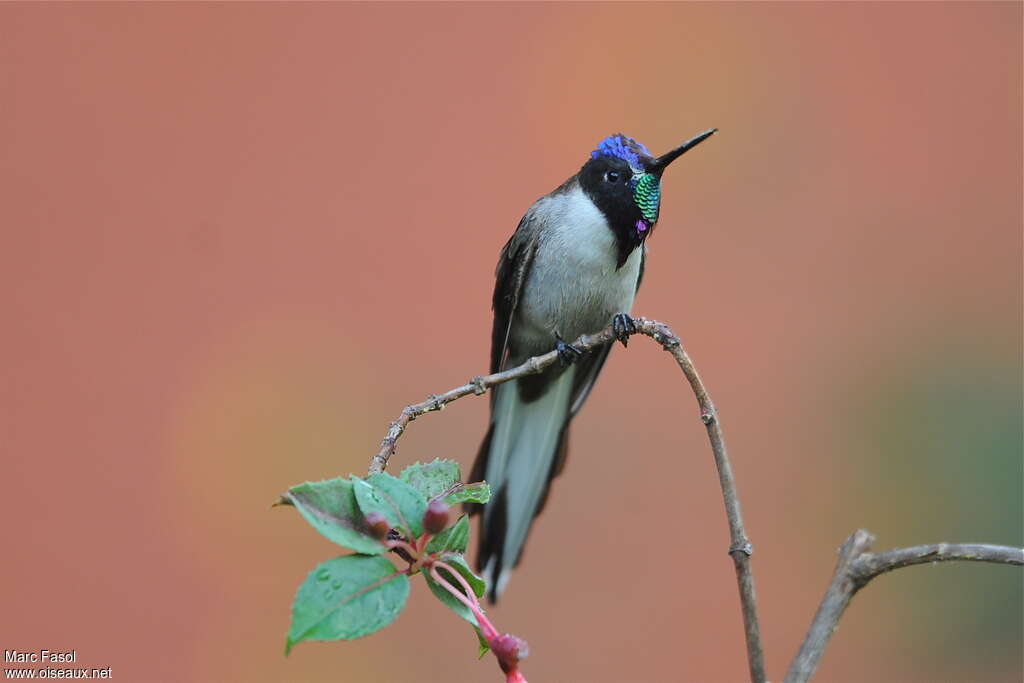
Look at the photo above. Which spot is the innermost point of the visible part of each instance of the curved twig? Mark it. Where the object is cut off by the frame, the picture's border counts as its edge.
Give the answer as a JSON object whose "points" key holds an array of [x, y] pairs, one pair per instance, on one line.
{"points": [[856, 567], [478, 386], [740, 548], [870, 565]]}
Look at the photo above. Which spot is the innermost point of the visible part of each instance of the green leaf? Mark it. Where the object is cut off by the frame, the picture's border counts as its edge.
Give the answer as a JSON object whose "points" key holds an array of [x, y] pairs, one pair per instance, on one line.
{"points": [[399, 503], [345, 598], [432, 478], [330, 508], [479, 492], [482, 647], [455, 538], [449, 600], [442, 477], [458, 562]]}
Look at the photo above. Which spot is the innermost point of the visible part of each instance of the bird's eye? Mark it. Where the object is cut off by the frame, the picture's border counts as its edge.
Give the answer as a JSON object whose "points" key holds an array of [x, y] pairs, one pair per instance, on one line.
{"points": [[612, 176]]}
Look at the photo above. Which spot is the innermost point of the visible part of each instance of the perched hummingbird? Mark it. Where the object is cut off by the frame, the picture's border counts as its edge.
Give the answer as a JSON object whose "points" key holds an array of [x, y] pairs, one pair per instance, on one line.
{"points": [[572, 266]]}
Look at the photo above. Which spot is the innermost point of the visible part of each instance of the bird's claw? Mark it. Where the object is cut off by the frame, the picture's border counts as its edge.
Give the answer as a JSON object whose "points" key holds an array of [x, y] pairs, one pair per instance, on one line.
{"points": [[567, 353], [622, 327]]}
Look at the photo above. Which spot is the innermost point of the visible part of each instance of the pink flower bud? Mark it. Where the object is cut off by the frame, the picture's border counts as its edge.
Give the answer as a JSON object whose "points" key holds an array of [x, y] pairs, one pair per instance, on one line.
{"points": [[509, 650], [436, 517], [377, 526]]}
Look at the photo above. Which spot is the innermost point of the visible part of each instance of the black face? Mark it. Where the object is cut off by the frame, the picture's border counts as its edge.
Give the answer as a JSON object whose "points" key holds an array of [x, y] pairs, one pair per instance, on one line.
{"points": [[606, 180]]}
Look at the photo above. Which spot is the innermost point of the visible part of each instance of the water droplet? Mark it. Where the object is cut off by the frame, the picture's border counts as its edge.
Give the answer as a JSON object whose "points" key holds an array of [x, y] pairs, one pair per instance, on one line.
{"points": [[336, 584], [323, 574]]}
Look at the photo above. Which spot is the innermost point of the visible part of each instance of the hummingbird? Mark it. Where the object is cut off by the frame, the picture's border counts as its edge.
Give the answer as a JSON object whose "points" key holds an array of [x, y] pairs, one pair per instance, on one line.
{"points": [[572, 266]]}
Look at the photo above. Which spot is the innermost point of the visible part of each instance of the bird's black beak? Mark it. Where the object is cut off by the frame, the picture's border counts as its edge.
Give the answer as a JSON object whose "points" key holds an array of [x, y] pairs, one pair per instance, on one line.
{"points": [[662, 162]]}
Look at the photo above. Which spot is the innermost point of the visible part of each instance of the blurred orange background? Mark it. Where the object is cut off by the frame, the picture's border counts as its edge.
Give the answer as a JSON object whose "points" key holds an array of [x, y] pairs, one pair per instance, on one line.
{"points": [[238, 239]]}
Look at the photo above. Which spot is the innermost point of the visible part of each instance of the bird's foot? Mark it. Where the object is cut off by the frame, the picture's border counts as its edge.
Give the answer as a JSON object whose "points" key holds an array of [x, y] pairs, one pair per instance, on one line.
{"points": [[567, 353], [622, 327]]}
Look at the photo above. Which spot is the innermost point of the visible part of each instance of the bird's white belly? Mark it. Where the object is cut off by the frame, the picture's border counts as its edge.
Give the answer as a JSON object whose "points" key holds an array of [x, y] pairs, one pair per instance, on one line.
{"points": [[573, 287]]}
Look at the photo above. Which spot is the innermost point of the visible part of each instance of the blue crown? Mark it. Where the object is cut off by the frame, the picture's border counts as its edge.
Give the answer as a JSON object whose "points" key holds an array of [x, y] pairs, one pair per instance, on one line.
{"points": [[621, 147]]}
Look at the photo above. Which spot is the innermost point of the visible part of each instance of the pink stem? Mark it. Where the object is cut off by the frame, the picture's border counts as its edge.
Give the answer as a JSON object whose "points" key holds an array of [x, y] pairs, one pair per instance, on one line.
{"points": [[422, 545], [469, 599], [513, 675]]}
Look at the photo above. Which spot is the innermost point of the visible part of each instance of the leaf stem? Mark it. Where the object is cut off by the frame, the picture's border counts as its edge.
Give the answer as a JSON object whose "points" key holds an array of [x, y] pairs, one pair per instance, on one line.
{"points": [[468, 599]]}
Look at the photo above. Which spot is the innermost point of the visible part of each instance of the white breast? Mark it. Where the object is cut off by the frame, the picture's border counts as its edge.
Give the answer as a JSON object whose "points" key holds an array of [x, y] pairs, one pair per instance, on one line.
{"points": [[574, 287]]}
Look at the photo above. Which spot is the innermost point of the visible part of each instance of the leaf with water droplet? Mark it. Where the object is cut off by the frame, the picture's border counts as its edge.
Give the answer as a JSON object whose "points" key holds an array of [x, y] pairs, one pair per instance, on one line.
{"points": [[330, 507], [398, 502], [432, 478], [366, 594], [442, 477]]}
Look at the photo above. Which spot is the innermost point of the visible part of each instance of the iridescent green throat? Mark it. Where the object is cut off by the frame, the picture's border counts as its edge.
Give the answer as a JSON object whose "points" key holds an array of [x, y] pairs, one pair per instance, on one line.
{"points": [[647, 195]]}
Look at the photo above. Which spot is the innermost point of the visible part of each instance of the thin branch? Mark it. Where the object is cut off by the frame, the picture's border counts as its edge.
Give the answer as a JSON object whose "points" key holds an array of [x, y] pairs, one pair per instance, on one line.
{"points": [[837, 597], [740, 548], [856, 567], [478, 386], [870, 565]]}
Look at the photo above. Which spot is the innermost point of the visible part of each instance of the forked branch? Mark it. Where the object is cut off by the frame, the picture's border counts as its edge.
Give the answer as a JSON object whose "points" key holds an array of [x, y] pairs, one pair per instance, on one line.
{"points": [[856, 567]]}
